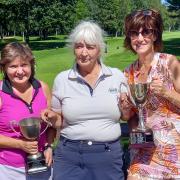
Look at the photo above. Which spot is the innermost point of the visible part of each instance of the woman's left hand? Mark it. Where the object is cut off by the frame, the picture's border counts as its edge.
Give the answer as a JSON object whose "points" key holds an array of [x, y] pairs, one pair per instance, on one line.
{"points": [[48, 153], [49, 116], [157, 87]]}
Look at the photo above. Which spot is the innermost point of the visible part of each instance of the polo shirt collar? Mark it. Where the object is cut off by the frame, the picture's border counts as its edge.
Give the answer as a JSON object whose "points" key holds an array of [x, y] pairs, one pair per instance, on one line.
{"points": [[74, 74], [7, 88]]}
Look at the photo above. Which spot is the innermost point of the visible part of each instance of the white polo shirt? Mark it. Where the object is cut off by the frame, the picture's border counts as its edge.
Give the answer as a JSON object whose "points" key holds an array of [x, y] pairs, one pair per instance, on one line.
{"points": [[89, 114]]}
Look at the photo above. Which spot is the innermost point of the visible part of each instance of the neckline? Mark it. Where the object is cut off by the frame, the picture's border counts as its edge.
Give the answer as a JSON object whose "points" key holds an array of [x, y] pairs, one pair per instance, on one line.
{"points": [[152, 65]]}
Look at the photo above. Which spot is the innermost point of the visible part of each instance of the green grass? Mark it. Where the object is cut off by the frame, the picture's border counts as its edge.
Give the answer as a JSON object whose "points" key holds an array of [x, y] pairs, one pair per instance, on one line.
{"points": [[172, 43], [51, 62], [52, 56]]}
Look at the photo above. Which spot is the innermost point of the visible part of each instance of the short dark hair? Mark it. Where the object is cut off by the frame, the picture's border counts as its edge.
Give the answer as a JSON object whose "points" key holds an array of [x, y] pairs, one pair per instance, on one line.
{"points": [[13, 50], [148, 18]]}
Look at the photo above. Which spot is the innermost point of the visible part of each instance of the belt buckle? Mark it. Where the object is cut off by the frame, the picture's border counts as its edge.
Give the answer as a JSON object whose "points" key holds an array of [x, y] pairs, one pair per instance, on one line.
{"points": [[89, 143]]}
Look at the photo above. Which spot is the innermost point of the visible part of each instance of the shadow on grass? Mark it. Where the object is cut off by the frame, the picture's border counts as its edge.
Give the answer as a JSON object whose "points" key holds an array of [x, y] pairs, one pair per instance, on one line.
{"points": [[37, 46], [50, 38], [6, 41], [172, 46]]}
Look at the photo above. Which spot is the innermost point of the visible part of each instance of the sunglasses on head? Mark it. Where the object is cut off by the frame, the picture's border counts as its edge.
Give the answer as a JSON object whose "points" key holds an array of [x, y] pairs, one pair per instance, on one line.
{"points": [[145, 33], [145, 12]]}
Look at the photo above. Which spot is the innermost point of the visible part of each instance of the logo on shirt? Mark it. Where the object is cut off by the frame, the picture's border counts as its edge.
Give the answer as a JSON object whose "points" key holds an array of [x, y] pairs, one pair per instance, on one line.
{"points": [[113, 90]]}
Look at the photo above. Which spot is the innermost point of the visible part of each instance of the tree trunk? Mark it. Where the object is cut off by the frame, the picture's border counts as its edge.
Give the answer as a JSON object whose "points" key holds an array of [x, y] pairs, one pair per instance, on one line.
{"points": [[1, 32], [26, 23], [23, 36], [45, 33], [169, 28], [56, 31]]}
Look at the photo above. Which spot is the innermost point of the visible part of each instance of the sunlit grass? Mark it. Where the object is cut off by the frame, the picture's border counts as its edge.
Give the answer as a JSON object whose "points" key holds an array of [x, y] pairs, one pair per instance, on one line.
{"points": [[52, 56]]}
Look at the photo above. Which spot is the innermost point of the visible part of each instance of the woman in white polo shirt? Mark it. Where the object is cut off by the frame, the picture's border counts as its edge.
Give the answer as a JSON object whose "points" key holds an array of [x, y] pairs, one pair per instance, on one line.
{"points": [[86, 97]]}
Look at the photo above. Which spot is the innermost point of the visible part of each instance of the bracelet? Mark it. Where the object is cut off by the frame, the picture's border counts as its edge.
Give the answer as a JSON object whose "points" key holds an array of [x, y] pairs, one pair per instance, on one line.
{"points": [[48, 146]]}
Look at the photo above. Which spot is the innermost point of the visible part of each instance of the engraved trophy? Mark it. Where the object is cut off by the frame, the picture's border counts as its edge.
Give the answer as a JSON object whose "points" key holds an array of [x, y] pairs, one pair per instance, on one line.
{"points": [[30, 129], [141, 134]]}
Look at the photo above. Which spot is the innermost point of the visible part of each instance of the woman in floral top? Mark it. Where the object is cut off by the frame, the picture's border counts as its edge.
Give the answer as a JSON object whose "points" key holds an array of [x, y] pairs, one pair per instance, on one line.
{"points": [[143, 30]]}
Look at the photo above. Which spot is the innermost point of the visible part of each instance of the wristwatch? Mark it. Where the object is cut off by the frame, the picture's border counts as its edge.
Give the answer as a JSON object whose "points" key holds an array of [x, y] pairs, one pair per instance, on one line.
{"points": [[48, 146]]}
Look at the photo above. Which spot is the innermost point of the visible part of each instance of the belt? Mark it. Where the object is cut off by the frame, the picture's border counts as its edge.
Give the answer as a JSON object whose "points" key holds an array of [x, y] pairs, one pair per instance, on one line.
{"points": [[88, 142]]}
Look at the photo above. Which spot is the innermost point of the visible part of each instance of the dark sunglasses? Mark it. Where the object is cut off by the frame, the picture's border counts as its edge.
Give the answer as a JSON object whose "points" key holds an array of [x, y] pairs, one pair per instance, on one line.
{"points": [[133, 34]]}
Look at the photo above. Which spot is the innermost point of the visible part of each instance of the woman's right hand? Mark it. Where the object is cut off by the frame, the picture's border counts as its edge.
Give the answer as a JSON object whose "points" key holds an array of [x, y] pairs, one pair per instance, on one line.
{"points": [[125, 101], [30, 147], [126, 106]]}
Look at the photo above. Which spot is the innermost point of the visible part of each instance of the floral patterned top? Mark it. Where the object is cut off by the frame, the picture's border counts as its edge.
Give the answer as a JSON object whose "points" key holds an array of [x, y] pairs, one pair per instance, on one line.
{"points": [[161, 161]]}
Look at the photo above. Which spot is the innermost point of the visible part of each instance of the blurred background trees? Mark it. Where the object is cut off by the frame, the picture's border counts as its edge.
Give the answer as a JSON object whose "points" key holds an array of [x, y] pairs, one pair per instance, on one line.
{"points": [[49, 17]]}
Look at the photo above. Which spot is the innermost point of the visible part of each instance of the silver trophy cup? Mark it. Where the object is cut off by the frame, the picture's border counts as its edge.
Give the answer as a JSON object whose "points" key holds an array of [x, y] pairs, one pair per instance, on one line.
{"points": [[30, 129], [141, 134]]}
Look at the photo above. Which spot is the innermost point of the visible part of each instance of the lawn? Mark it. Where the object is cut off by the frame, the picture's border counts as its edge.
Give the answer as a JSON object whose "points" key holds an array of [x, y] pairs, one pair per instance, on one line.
{"points": [[53, 56]]}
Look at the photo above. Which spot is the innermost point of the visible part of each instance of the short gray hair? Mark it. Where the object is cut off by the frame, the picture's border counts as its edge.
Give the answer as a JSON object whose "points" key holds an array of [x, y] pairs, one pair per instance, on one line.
{"points": [[88, 31]]}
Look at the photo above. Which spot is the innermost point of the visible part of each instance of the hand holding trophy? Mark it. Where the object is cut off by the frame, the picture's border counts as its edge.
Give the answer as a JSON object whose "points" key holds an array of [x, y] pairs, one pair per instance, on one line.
{"points": [[138, 95], [30, 129], [141, 134]]}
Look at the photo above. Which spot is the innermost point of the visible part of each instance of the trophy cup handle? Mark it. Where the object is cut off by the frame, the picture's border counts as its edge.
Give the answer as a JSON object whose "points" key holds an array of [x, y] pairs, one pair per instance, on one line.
{"points": [[12, 123], [47, 125]]}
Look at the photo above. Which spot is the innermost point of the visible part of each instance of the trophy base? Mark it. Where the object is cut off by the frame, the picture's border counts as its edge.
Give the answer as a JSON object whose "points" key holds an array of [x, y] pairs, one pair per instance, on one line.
{"points": [[140, 138], [36, 165]]}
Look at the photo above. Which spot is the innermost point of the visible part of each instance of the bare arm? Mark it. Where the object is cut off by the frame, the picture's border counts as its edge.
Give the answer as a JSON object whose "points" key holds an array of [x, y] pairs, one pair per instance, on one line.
{"points": [[47, 93], [27, 146], [53, 117], [174, 95], [157, 86], [51, 132], [30, 147]]}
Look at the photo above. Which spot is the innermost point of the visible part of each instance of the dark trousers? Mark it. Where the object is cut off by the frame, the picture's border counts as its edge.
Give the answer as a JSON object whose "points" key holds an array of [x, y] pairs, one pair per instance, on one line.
{"points": [[87, 160]]}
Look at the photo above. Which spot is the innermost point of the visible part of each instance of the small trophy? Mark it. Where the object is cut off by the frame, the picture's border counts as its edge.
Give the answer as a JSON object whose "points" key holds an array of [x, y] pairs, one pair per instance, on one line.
{"points": [[141, 134], [30, 129]]}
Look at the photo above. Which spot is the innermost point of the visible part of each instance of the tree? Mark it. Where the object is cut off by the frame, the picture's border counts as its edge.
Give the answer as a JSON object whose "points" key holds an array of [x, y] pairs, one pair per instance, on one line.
{"points": [[106, 13], [18, 12], [81, 10], [43, 16], [3, 19], [173, 5], [50, 15]]}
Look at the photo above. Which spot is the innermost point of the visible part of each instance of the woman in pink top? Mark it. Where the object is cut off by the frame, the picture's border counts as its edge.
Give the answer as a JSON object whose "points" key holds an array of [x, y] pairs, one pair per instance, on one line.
{"points": [[161, 160], [21, 96]]}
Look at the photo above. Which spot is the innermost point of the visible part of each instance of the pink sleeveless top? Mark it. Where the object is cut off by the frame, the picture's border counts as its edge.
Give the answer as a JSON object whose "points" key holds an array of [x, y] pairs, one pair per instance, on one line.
{"points": [[14, 108]]}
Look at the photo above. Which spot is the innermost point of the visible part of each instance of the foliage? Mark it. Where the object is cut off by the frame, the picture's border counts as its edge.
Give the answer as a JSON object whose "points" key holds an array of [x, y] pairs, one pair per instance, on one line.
{"points": [[47, 17], [173, 5], [173, 14]]}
